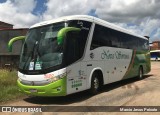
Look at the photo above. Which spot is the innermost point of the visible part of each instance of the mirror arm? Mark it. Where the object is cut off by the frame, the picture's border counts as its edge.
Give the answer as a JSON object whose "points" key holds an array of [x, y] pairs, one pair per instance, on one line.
{"points": [[10, 43], [61, 34]]}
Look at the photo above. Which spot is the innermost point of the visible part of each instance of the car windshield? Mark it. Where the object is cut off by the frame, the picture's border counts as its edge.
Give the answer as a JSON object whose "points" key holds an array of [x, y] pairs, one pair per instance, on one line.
{"points": [[41, 49]]}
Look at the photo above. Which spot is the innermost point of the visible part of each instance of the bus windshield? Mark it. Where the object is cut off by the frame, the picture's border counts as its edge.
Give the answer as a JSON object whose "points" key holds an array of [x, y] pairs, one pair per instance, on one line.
{"points": [[40, 49], [43, 51]]}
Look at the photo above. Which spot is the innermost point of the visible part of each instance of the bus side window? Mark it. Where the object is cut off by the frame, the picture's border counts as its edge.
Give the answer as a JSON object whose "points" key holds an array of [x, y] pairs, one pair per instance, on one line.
{"points": [[104, 36]]}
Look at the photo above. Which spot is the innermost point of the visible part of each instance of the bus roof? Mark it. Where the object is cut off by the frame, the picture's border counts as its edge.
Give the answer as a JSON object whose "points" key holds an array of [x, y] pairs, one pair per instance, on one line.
{"points": [[90, 19], [155, 51]]}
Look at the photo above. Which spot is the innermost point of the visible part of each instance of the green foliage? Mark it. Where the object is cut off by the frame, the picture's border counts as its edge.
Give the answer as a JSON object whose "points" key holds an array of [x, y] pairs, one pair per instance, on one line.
{"points": [[8, 85]]}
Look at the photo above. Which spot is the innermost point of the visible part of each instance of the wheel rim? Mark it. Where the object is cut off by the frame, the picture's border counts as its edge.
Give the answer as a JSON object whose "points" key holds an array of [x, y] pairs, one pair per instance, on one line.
{"points": [[96, 83], [140, 73]]}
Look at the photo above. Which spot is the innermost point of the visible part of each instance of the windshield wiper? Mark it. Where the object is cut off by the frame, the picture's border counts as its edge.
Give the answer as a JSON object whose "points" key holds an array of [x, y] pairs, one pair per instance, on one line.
{"points": [[30, 55]]}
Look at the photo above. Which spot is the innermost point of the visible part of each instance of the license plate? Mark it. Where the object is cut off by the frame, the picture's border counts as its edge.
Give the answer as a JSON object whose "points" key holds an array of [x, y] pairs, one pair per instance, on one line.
{"points": [[33, 90]]}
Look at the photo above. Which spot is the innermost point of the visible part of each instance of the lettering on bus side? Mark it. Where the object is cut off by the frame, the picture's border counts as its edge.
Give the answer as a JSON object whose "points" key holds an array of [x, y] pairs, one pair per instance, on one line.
{"points": [[116, 55], [120, 55], [76, 83]]}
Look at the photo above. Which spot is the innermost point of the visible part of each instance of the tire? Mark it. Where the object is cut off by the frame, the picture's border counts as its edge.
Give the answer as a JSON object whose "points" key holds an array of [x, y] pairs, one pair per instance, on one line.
{"points": [[156, 59], [140, 73], [95, 84]]}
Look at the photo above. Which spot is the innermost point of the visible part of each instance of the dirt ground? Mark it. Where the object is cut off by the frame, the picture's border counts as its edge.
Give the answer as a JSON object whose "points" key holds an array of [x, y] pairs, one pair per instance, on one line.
{"points": [[132, 92]]}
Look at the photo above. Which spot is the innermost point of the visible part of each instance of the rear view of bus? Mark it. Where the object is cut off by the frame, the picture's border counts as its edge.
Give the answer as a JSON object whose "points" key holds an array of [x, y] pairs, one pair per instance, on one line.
{"points": [[155, 55]]}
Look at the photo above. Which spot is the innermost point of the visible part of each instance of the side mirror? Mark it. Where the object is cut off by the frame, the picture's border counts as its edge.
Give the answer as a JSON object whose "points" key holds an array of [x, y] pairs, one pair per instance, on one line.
{"points": [[61, 34], [10, 43]]}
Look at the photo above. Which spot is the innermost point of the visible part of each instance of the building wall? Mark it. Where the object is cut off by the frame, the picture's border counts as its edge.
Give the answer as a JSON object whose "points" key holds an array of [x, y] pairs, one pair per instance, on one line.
{"points": [[10, 58], [155, 45], [4, 25], [5, 36], [9, 61]]}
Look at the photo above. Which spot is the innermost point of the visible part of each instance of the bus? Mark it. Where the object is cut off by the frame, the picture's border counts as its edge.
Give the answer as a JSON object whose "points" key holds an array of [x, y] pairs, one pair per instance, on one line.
{"points": [[76, 53], [155, 55]]}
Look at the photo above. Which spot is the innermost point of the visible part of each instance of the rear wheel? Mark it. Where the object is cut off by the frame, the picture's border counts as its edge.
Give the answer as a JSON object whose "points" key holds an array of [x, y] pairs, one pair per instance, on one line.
{"points": [[95, 84], [140, 74]]}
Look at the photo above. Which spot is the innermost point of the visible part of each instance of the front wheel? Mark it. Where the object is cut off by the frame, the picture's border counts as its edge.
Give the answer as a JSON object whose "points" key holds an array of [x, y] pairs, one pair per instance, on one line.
{"points": [[95, 84]]}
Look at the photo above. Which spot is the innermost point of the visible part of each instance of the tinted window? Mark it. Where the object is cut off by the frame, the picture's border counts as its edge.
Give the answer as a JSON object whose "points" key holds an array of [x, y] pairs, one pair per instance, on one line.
{"points": [[104, 36], [76, 41], [73, 47], [41, 50], [83, 34]]}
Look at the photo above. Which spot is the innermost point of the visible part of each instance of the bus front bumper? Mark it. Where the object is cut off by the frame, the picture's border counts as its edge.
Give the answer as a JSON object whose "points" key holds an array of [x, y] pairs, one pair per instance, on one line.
{"points": [[57, 88]]}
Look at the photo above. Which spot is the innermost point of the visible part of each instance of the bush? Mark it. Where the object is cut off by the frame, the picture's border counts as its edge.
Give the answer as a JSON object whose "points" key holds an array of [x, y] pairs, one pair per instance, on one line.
{"points": [[8, 85]]}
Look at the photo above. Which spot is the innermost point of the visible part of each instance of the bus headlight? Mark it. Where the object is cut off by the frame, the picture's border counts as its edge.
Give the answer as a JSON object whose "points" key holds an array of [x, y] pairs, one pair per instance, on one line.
{"points": [[20, 79], [56, 78]]}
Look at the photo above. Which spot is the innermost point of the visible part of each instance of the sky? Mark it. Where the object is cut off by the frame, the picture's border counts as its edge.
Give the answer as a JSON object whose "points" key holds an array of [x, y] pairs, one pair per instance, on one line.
{"points": [[138, 16]]}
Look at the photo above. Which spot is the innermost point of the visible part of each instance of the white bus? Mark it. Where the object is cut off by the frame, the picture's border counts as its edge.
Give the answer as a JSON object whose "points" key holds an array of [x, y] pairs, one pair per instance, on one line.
{"points": [[155, 55], [76, 53]]}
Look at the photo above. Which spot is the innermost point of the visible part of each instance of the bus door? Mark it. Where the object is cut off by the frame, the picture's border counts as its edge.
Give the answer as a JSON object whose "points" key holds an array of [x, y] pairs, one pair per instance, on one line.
{"points": [[76, 68]]}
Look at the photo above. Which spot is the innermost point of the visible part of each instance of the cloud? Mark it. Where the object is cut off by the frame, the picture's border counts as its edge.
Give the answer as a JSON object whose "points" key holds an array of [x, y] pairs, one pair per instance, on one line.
{"points": [[128, 10], [132, 28], [66, 7], [148, 27], [139, 16], [157, 35], [24, 6], [18, 12]]}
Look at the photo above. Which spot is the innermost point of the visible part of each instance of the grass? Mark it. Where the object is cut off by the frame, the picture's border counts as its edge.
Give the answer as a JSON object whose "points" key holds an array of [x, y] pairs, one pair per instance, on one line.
{"points": [[8, 86]]}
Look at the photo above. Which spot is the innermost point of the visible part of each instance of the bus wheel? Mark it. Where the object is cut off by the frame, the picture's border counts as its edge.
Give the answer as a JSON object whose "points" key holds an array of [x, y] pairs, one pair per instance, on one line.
{"points": [[95, 84], [140, 73], [156, 59]]}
